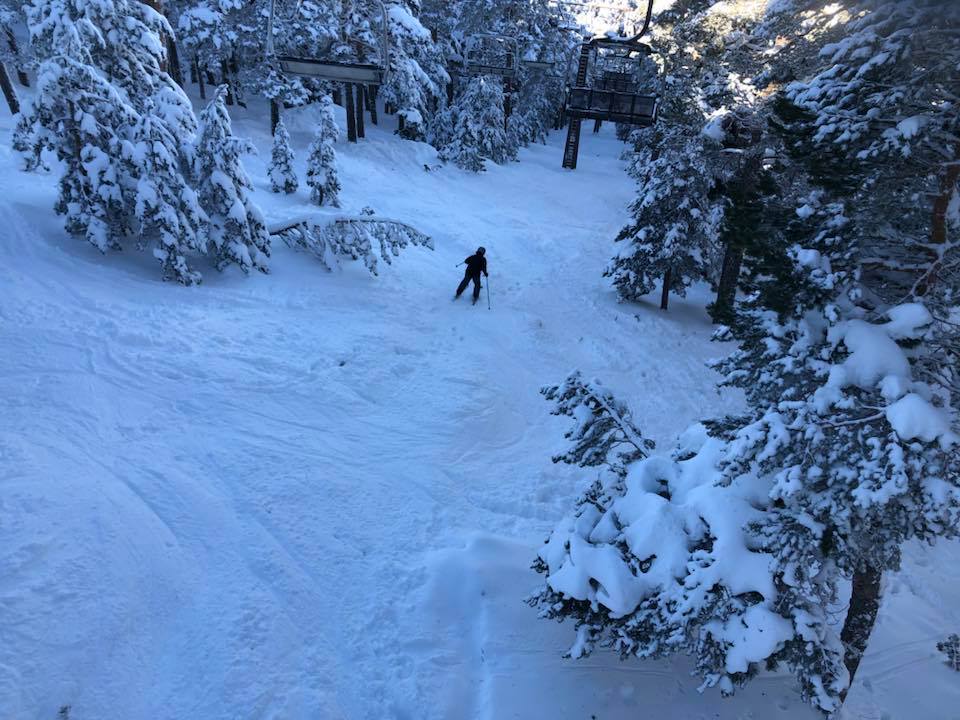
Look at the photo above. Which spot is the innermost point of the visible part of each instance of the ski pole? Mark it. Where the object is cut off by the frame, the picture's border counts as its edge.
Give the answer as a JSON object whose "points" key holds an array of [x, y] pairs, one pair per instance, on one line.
{"points": [[488, 292]]}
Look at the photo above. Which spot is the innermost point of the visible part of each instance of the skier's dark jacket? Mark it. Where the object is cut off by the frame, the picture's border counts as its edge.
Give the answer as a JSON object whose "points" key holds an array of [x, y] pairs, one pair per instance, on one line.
{"points": [[476, 264]]}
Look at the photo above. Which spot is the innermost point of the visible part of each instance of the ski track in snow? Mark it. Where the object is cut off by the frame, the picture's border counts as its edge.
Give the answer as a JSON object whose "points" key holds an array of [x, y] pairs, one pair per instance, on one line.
{"points": [[317, 495]]}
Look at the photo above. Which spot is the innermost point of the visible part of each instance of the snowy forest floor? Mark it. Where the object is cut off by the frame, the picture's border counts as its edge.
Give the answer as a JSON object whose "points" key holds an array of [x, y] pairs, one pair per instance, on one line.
{"points": [[317, 495]]}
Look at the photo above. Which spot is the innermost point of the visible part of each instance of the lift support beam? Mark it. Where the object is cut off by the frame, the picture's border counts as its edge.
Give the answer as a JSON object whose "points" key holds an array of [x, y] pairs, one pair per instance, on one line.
{"points": [[571, 148]]}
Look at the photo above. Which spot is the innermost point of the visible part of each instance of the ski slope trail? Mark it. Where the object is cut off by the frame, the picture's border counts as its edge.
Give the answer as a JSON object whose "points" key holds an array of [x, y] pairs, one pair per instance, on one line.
{"points": [[317, 495]]}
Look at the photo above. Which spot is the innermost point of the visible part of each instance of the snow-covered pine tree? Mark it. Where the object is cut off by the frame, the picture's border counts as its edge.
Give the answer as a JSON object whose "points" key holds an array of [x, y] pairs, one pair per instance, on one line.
{"points": [[236, 230], [10, 56], [100, 77], [281, 172], [79, 116], [322, 160], [167, 208], [673, 237], [658, 562], [218, 33], [471, 131], [867, 100], [418, 76], [712, 132], [856, 449], [950, 647], [675, 221], [226, 39], [537, 102], [12, 52], [736, 551], [537, 27], [873, 135], [748, 231]]}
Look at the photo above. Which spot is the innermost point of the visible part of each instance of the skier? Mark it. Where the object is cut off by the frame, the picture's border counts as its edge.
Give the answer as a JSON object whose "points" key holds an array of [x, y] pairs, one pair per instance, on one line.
{"points": [[476, 264]]}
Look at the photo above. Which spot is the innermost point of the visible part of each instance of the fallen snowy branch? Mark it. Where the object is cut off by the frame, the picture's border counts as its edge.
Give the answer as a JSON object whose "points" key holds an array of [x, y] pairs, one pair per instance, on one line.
{"points": [[603, 425], [355, 236]]}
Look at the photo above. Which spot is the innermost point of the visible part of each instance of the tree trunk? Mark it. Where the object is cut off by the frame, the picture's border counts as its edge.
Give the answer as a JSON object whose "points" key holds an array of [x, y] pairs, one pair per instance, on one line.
{"points": [[401, 124], [351, 109], [665, 293], [200, 83], [372, 103], [274, 116], [450, 92], [861, 616], [507, 102], [597, 124], [948, 181], [361, 131], [22, 77], [225, 78], [337, 96], [8, 92], [938, 226], [173, 60], [723, 308]]}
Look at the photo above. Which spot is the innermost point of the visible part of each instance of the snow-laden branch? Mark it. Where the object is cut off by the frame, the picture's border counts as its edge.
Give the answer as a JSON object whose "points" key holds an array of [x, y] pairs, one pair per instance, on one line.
{"points": [[330, 237], [603, 424]]}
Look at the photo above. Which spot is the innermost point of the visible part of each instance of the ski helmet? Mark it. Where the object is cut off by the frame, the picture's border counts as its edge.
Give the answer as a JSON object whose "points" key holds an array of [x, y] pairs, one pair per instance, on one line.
{"points": [[481, 250]]}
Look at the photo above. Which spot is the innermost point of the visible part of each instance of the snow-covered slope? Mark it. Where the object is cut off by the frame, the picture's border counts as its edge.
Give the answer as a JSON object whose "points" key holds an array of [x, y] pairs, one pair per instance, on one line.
{"points": [[317, 495]]}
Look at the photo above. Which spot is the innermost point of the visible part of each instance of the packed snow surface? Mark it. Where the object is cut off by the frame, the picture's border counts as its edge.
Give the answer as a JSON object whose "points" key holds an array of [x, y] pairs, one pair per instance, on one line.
{"points": [[317, 495]]}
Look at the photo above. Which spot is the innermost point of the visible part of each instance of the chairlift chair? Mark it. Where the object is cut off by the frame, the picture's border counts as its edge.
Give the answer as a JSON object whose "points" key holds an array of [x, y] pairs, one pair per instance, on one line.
{"points": [[621, 62], [621, 107], [538, 65], [491, 54], [331, 69], [612, 94], [618, 82]]}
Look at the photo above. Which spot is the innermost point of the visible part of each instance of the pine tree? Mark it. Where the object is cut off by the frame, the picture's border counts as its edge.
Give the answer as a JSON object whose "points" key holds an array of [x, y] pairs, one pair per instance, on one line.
{"points": [[680, 163], [218, 33], [322, 161], [735, 550], [10, 56], [282, 176], [674, 220], [167, 208], [113, 118], [849, 438], [472, 131], [537, 28], [12, 53], [236, 231], [869, 133], [418, 76]]}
